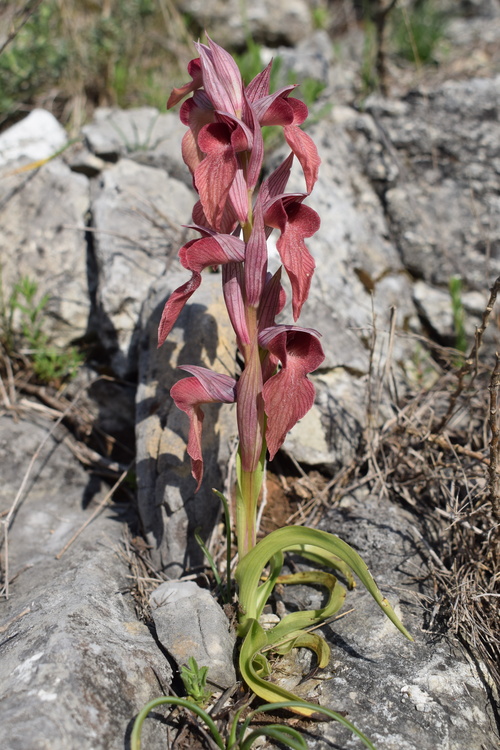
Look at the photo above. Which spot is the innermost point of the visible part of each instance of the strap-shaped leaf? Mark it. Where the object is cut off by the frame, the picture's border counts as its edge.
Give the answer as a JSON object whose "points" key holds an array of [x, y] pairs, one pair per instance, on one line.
{"points": [[277, 697], [322, 557], [308, 618], [251, 669], [284, 735], [250, 568], [312, 641]]}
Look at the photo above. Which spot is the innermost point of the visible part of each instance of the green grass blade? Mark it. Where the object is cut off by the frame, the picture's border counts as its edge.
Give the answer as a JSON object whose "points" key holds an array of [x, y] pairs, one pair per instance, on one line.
{"points": [[209, 557], [282, 734], [135, 739], [290, 705], [227, 524]]}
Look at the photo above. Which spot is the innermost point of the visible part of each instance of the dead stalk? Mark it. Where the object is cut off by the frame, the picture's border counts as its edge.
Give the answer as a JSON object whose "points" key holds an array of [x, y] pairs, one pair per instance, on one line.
{"points": [[494, 468]]}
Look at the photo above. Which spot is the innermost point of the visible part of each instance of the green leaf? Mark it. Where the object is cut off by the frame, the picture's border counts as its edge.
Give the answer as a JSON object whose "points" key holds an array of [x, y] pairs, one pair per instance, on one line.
{"points": [[308, 618], [328, 550], [320, 711], [297, 539], [251, 670], [282, 734], [135, 738]]}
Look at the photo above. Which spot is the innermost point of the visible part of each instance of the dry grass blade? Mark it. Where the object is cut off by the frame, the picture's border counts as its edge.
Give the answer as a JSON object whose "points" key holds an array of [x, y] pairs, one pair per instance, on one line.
{"points": [[472, 360], [494, 475], [106, 499]]}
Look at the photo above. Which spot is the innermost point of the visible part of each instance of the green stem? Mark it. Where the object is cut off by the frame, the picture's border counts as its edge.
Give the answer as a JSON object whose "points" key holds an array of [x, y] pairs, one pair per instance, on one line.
{"points": [[247, 494], [248, 490], [135, 739]]}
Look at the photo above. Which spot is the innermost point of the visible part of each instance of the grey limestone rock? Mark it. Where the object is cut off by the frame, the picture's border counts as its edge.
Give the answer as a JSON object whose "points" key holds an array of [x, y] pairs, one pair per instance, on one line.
{"points": [[37, 136], [169, 505], [267, 23], [142, 134], [137, 212], [443, 208], [428, 694], [76, 664], [190, 623], [43, 215]]}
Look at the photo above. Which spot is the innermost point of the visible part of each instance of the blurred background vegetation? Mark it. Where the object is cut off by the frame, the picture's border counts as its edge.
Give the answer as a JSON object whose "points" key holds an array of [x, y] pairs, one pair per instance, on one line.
{"points": [[71, 56]]}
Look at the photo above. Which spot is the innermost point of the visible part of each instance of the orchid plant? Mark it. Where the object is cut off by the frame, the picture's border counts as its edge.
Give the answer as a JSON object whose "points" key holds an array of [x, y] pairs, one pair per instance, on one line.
{"points": [[234, 216]]}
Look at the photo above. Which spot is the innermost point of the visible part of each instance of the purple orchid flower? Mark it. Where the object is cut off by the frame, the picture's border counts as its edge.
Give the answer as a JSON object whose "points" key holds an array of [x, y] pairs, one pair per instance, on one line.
{"points": [[224, 150]]}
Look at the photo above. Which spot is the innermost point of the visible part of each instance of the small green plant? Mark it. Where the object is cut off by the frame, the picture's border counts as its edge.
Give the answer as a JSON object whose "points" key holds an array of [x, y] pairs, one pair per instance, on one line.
{"points": [[27, 336], [368, 74], [92, 53], [238, 736], [455, 287], [416, 32], [194, 679], [320, 17]]}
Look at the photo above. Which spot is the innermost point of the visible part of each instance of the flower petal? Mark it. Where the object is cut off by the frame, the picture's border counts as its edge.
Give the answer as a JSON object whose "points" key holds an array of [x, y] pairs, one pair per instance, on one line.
{"points": [[289, 394], [205, 387], [228, 220], [232, 284], [275, 184], [258, 87], [221, 77], [272, 301], [174, 305], [306, 152], [274, 109], [296, 222], [214, 175], [238, 194], [256, 259], [250, 412], [218, 386], [257, 151], [194, 70], [196, 255]]}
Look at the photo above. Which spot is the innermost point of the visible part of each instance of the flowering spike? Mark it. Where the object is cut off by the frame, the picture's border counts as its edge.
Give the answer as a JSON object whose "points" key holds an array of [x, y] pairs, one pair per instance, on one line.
{"points": [[224, 150]]}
